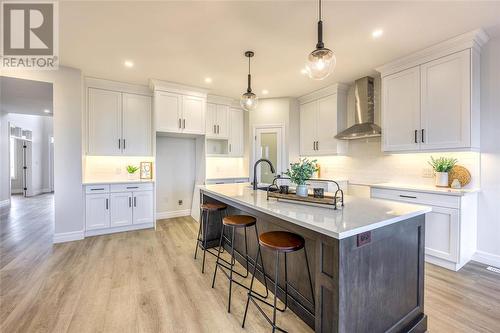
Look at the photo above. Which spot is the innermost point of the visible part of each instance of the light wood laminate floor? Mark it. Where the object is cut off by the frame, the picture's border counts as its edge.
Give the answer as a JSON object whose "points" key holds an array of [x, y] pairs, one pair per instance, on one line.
{"points": [[147, 281]]}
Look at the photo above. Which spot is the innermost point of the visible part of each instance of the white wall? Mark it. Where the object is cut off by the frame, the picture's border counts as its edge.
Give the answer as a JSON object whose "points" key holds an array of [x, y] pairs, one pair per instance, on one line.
{"points": [[489, 198], [41, 128], [4, 161], [175, 175], [68, 92]]}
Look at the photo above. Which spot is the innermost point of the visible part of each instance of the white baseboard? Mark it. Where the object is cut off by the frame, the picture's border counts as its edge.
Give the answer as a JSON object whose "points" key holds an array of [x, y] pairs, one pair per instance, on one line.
{"points": [[119, 229], [5, 203], [16, 191], [172, 214], [487, 258], [443, 263], [46, 190], [63, 237]]}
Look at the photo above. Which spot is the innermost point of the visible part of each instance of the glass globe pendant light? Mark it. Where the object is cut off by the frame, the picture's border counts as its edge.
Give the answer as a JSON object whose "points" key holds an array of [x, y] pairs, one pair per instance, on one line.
{"points": [[249, 100], [320, 62]]}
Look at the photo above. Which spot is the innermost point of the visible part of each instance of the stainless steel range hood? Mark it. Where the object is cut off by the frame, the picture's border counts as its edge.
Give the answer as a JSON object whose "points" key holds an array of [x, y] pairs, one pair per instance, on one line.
{"points": [[365, 109]]}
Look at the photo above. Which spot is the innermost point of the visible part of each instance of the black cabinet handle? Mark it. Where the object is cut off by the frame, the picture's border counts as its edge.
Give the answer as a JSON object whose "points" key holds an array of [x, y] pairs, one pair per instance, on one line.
{"points": [[215, 129], [135, 201], [119, 144], [423, 135], [132, 187], [180, 123], [184, 123], [129, 201], [416, 136], [107, 204], [97, 189], [317, 145], [407, 196], [123, 143]]}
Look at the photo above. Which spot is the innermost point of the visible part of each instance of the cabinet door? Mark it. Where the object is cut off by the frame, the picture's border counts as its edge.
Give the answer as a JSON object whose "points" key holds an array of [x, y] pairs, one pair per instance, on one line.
{"points": [[193, 115], [143, 207], [136, 125], [168, 112], [401, 110], [445, 85], [121, 209], [96, 211], [441, 233], [104, 122], [308, 127], [222, 121], [211, 119], [327, 126], [236, 129]]}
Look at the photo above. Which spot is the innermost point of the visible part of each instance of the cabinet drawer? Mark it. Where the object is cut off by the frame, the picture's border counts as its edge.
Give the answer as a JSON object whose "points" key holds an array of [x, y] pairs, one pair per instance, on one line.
{"points": [[89, 189], [132, 187], [416, 197]]}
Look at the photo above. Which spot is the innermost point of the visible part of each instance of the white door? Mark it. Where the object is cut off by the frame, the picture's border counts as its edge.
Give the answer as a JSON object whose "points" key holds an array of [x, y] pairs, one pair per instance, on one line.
{"points": [[327, 126], [441, 233], [308, 128], [211, 119], [143, 207], [193, 115], [168, 112], [401, 111], [136, 125], [222, 121], [445, 85], [236, 130], [268, 145], [121, 209], [97, 211], [104, 122]]}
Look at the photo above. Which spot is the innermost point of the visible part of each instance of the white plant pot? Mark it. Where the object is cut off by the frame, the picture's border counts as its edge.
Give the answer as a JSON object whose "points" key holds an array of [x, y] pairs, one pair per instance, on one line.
{"points": [[301, 190], [132, 176], [441, 179]]}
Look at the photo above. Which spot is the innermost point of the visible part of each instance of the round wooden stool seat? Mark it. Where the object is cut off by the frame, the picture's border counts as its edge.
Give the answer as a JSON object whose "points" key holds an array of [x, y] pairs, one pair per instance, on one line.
{"points": [[282, 241], [213, 206], [239, 221]]}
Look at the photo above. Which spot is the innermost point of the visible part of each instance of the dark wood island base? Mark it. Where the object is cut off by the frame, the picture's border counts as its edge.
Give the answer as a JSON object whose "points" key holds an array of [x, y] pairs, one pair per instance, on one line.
{"points": [[370, 282]]}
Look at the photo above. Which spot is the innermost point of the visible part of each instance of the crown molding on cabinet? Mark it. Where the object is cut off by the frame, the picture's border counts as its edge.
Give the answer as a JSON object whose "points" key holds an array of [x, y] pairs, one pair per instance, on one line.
{"points": [[323, 92], [216, 99], [471, 40], [92, 82], [173, 87]]}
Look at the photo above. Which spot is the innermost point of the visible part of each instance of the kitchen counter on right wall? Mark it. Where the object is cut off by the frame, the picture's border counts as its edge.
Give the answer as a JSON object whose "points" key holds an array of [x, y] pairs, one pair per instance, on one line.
{"points": [[425, 188]]}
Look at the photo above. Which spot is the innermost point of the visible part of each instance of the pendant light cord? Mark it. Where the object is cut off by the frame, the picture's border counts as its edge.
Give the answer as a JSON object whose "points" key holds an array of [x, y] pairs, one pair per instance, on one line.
{"points": [[249, 88], [320, 44], [319, 10]]}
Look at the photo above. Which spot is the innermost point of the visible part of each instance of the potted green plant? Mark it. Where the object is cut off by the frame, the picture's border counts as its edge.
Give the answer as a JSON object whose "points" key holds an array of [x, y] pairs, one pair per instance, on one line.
{"points": [[441, 166], [131, 171], [300, 172]]}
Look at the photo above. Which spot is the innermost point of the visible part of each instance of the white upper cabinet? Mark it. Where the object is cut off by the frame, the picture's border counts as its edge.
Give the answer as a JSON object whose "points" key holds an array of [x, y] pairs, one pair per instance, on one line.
{"points": [[168, 112], [445, 102], [236, 124], [322, 116], [401, 105], [430, 99], [136, 118], [211, 120], [178, 108], [104, 122], [217, 121], [118, 122], [222, 121]]}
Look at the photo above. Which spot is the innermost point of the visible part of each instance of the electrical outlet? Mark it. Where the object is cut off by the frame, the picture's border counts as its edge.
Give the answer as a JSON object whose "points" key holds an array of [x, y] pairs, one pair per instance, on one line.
{"points": [[427, 173], [180, 202], [118, 171]]}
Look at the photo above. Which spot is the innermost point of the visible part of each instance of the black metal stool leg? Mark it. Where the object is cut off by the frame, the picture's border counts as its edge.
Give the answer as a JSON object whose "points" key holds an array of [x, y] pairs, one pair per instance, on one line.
{"points": [[205, 232], [277, 268], [286, 285], [218, 255], [259, 252], [251, 282], [309, 274], [231, 270], [199, 233]]}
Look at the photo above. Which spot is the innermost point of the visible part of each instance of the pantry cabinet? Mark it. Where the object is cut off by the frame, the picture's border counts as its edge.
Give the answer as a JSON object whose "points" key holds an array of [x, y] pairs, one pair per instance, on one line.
{"points": [[430, 100], [322, 116], [118, 123]]}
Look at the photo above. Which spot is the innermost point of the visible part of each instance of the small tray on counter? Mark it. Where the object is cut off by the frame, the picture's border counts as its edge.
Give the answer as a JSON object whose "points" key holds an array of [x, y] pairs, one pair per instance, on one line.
{"points": [[327, 201]]}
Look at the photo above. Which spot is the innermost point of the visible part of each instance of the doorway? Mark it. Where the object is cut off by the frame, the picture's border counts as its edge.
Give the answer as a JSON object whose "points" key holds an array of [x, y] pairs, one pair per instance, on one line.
{"points": [[268, 144]]}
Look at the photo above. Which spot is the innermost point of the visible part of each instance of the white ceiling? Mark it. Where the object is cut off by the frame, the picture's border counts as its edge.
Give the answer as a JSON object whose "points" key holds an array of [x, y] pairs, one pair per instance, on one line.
{"points": [[25, 96], [187, 41]]}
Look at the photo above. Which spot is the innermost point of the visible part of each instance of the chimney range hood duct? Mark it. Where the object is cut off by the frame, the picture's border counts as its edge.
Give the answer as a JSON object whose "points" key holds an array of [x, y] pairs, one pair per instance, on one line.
{"points": [[364, 117]]}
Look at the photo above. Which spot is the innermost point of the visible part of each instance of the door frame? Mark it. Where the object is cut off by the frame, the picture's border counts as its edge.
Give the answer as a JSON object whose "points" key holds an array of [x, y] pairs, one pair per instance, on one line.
{"points": [[281, 142]]}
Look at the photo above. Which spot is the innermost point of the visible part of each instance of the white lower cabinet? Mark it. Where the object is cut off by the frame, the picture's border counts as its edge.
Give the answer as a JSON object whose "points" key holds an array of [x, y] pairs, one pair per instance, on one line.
{"points": [[450, 229], [118, 207]]}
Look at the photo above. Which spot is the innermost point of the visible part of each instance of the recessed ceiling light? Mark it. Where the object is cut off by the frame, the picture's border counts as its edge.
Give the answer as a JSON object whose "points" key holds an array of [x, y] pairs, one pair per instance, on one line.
{"points": [[303, 71], [128, 64], [377, 33], [265, 92], [208, 80], [46, 111]]}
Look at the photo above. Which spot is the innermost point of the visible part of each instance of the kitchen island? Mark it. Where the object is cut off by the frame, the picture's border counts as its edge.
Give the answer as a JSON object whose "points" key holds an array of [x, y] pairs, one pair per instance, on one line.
{"points": [[367, 258]]}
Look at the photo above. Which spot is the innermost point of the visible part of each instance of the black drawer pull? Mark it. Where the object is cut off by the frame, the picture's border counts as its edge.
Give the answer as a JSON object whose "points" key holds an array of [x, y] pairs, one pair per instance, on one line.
{"points": [[132, 187], [97, 189], [407, 196]]}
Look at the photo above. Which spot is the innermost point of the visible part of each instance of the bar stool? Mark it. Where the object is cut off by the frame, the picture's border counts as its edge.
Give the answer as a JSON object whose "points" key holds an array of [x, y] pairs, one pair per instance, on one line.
{"points": [[233, 222], [206, 209], [279, 242]]}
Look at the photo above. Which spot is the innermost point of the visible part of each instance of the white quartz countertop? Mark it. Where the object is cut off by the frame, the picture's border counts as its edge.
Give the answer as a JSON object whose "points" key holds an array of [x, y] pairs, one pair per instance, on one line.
{"points": [[115, 181], [425, 188], [358, 215]]}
